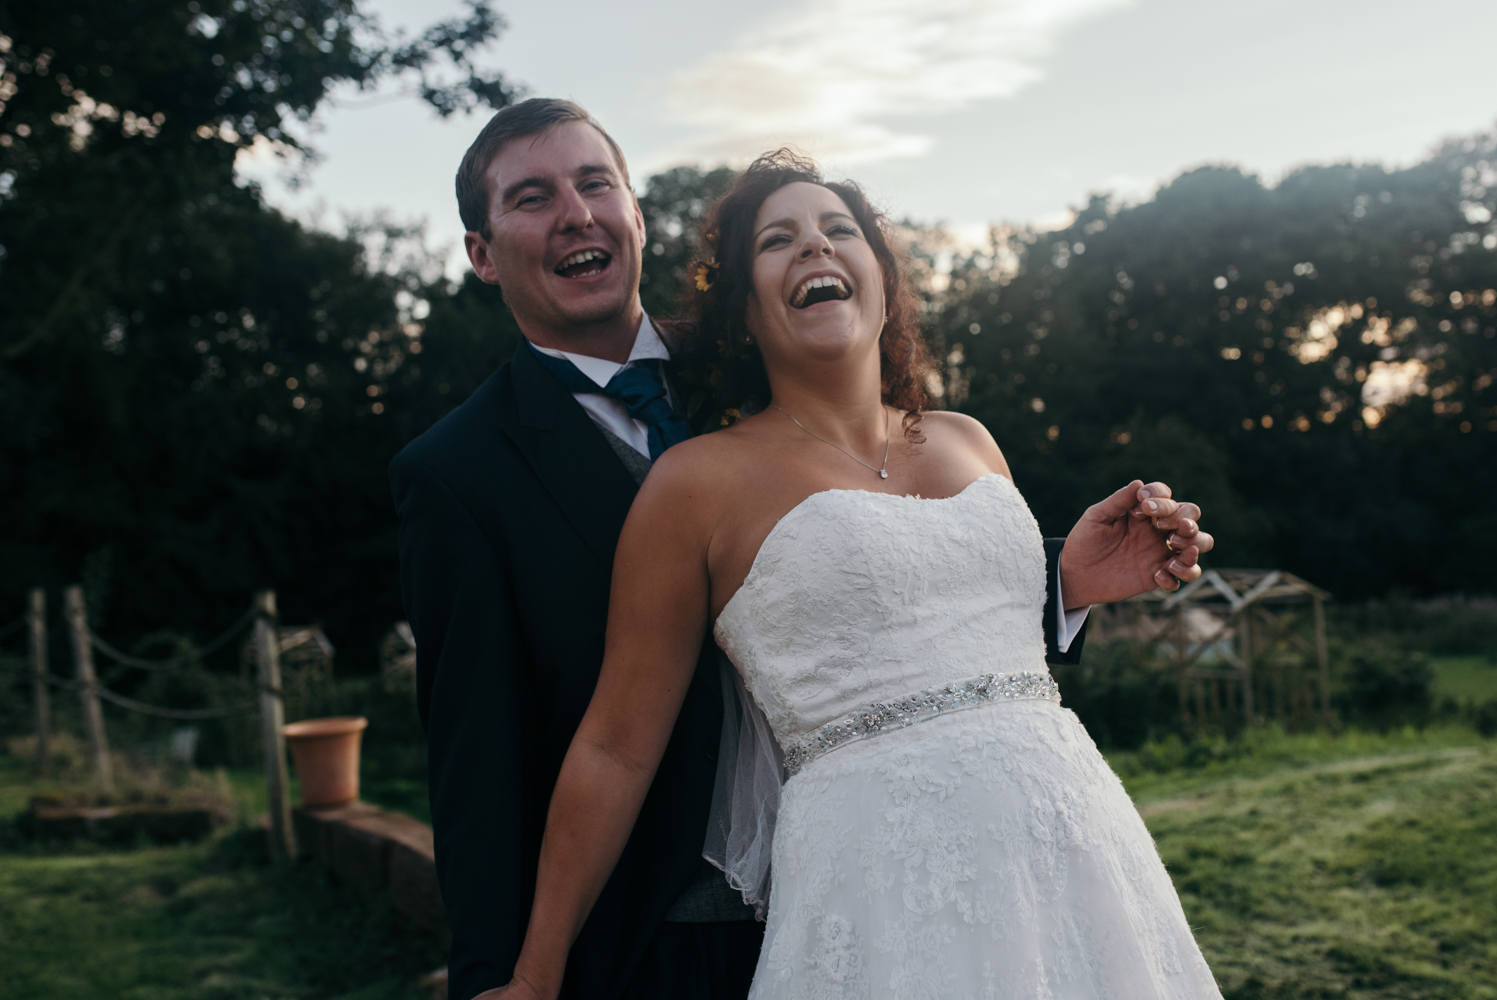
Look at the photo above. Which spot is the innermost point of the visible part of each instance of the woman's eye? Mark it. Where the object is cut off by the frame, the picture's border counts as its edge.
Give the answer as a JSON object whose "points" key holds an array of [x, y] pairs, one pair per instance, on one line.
{"points": [[779, 239], [842, 230]]}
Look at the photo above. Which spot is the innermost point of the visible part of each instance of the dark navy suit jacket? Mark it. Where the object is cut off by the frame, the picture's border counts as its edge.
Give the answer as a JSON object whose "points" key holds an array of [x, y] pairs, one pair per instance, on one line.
{"points": [[510, 508]]}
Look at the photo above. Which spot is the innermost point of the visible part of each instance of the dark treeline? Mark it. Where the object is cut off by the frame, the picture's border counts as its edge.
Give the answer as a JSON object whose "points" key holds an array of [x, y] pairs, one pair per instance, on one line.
{"points": [[1314, 361], [199, 396]]}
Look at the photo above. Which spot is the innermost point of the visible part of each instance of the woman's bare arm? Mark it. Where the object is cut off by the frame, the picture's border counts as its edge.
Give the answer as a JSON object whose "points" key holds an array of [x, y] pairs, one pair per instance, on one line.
{"points": [[656, 620]]}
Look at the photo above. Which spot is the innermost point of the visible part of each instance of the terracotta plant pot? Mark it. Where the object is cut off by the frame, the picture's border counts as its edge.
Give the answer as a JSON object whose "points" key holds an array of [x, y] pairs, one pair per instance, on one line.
{"points": [[326, 752]]}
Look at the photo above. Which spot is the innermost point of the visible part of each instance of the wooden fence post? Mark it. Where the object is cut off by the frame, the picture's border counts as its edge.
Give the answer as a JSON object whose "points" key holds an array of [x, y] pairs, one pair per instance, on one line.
{"points": [[88, 691], [267, 642], [1323, 662], [1247, 671], [36, 619]]}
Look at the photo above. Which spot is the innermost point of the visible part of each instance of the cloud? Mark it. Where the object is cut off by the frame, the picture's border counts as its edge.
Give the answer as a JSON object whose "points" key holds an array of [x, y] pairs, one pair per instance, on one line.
{"points": [[834, 76]]}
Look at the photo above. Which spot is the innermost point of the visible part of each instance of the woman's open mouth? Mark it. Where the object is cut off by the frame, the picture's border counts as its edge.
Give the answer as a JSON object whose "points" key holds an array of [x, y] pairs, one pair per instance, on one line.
{"points": [[825, 288], [583, 264]]}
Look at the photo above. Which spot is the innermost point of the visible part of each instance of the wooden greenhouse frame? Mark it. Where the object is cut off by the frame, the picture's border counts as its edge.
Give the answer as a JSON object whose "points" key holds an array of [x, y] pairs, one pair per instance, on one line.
{"points": [[1263, 659]]}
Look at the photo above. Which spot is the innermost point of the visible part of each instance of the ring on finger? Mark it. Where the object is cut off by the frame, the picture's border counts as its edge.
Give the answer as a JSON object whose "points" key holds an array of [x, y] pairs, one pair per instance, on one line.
{"points": [[1169, 543]]}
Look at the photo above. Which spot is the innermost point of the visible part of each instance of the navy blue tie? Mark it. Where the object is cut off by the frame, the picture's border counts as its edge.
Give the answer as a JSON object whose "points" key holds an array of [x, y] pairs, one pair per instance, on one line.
{"points": [[638, 387]]}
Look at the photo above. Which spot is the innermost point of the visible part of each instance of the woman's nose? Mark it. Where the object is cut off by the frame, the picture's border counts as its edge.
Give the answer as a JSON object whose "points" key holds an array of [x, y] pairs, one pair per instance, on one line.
{"points": [[818, 244]]}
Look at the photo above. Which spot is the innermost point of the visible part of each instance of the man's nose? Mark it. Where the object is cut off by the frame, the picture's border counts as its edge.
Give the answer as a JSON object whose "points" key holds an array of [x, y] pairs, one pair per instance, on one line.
{"points": [[575, 213]]}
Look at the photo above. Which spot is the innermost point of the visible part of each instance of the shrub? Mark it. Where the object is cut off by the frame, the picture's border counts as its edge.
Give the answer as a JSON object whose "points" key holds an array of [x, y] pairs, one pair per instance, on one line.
{"points": [[1484, 718], [1123, 692], [1385, 686]]}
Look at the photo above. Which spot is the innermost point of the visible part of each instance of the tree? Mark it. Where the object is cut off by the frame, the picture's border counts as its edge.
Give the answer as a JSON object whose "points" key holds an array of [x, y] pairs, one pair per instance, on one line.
{"points": [[191, 383], [1314, 360]]}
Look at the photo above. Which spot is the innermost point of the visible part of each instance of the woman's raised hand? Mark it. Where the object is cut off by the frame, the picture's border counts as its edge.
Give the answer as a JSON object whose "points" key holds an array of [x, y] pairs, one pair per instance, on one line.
{"points": [[515, 989], [1136, 540]]}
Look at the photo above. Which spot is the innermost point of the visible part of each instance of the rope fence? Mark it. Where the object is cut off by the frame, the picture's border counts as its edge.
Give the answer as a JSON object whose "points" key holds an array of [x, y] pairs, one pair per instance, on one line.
{"points": [[262, 621], [184, 714], [175, 662]]}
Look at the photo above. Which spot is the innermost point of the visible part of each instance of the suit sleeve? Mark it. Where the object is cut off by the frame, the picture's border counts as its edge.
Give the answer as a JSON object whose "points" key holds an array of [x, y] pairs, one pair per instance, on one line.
{"points": [[471, 670], [1052, 606]]}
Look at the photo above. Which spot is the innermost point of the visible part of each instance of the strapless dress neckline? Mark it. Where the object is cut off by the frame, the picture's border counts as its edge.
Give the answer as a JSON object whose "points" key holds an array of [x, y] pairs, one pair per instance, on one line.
{"points": [[820, 494]]}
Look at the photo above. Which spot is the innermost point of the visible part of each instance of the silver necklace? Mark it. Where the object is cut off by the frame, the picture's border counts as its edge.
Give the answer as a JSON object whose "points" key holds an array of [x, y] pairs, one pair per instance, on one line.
{"points": [[883, 473]]}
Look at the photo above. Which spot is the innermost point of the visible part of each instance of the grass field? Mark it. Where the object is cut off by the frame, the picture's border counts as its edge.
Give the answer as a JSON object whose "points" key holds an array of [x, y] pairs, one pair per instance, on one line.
{"points": [[209, 921], [1358, 866], [1466, 678]]}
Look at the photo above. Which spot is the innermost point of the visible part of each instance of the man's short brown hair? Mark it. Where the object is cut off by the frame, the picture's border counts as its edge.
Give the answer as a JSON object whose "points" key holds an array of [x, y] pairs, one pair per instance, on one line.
{"points": [[533, 117]]}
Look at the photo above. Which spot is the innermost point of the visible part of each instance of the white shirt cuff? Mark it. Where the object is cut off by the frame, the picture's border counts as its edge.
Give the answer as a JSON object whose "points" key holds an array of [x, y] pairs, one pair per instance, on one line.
{"points": [[1067, 623]]}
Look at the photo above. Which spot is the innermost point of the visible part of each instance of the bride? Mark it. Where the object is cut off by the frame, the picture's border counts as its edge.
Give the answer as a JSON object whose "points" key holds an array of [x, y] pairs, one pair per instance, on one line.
{"points": [[946, 828]]}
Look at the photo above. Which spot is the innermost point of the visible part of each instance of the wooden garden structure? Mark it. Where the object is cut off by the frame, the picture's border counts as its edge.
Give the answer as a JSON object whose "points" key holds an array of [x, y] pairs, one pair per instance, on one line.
{"points": [[1237, 639]]}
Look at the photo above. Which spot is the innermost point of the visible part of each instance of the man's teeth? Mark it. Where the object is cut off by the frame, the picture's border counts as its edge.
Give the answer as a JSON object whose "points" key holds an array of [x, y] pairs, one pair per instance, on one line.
{"points": [[825, 281], [581, 257]]}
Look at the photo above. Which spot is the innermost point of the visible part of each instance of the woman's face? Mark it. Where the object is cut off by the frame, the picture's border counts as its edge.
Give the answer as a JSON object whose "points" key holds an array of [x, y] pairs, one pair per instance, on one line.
{"points": [[818, 291]]}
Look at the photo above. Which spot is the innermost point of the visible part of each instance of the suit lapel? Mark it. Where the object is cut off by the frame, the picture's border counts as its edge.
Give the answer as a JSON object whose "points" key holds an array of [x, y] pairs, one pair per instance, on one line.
{"points": [[568, 454]]}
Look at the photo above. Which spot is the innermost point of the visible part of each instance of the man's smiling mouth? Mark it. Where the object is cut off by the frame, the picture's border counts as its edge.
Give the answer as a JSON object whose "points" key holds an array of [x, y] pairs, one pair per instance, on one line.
{"points": [[583, 264], [821, 289]]}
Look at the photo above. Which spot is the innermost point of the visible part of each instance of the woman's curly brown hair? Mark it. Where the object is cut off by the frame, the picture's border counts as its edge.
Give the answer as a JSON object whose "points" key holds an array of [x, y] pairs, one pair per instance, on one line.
{"points": [[721, 331]]}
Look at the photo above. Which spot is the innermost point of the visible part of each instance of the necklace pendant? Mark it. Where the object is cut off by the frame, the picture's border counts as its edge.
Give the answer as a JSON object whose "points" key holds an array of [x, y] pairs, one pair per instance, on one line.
{"points": [[883, 473]]}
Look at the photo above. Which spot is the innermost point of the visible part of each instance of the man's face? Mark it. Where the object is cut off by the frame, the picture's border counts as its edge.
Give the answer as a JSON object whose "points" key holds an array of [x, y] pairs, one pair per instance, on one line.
{"points": [[566, 235]]}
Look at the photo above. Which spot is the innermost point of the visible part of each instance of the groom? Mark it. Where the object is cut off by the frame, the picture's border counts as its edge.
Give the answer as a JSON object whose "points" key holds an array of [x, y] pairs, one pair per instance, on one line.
{"points": [[510, 508]]}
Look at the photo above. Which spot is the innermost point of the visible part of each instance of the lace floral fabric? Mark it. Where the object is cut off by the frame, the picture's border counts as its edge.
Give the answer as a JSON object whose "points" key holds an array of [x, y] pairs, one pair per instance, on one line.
{"points": [[984, 854]]}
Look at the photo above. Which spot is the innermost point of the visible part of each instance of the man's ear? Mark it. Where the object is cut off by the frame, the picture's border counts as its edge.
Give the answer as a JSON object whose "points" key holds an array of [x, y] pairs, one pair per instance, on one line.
{"points": [[478, 255], [639, 222]]}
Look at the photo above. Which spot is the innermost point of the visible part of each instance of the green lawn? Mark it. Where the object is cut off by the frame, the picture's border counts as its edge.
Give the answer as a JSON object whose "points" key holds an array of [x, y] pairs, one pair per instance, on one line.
{"points": [[1357, 866], [1465, 678], [210, 921]]}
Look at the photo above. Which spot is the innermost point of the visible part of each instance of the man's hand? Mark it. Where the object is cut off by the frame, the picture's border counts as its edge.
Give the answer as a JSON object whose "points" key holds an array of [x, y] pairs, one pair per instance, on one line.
{"points": [[1135, 540]]}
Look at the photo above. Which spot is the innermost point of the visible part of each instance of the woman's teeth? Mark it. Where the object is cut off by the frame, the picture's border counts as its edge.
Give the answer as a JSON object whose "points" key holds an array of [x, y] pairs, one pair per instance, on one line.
{"points": [[811, 291]]}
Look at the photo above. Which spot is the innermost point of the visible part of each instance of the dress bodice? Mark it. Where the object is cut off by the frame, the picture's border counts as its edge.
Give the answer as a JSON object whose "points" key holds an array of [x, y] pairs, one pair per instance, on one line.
{"points": [[855, 597]]}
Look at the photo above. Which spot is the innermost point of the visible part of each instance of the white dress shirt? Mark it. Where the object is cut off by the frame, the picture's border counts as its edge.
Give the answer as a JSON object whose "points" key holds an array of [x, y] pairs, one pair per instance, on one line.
{"points": [[613, 416]]}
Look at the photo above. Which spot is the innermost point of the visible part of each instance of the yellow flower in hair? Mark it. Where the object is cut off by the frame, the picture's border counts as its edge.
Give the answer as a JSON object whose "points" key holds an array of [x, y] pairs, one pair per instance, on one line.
{"points": [[706, 274]]}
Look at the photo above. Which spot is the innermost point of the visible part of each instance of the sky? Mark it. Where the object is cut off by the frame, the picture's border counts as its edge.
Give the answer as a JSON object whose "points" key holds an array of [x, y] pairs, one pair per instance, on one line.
{"points": [[963, 112]]}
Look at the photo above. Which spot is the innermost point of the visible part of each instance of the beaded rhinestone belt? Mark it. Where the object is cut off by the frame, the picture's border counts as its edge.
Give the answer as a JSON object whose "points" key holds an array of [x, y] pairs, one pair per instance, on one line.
{"points": [[881, 717]]}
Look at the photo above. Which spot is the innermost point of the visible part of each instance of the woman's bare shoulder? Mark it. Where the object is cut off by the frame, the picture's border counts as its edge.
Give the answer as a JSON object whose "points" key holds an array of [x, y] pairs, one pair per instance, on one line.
{"points": [[697, 475], [959, 433]]}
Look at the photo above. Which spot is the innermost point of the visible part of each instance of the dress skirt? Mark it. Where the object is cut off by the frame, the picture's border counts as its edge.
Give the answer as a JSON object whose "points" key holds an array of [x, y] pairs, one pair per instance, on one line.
{"points": [[989, 854]]}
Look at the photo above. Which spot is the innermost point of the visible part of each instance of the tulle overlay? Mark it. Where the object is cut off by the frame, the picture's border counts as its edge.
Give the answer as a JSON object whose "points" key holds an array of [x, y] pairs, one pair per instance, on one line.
{"points": [[989, 853]]}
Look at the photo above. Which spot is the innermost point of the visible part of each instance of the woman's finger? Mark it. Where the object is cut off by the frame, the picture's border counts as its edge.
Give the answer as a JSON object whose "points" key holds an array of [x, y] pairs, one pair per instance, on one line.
{"points": [[1182, 572], [1180, 521], [1159, 507], [1188, 554]]}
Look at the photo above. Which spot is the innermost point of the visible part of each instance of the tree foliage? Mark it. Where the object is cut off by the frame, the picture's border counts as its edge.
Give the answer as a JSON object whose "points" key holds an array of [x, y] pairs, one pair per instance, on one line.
{"points": [[1313, 361], [192, 384], [200, 396]]}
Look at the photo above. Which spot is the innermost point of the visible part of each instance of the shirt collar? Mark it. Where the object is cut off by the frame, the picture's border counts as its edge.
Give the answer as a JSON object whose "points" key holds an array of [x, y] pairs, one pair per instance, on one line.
{"points": [[647, 345]]}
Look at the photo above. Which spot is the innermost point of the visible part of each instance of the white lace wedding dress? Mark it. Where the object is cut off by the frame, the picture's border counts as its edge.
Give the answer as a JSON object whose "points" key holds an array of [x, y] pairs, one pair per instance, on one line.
{"points": [[948, 830]]}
